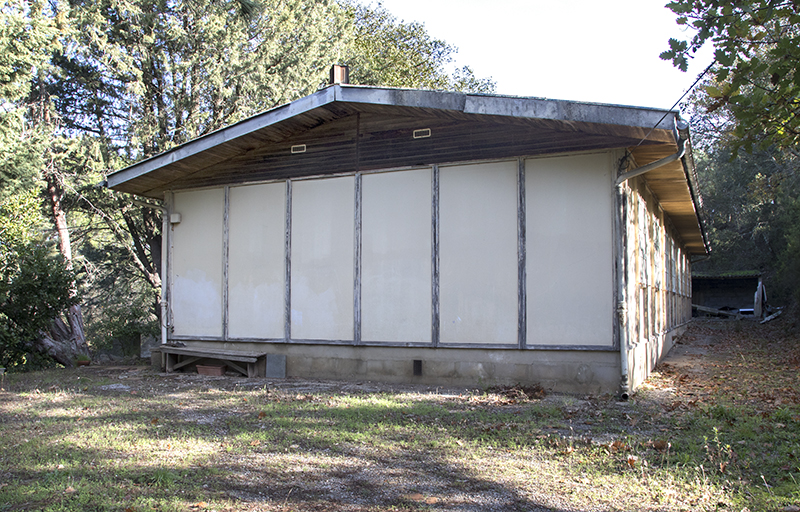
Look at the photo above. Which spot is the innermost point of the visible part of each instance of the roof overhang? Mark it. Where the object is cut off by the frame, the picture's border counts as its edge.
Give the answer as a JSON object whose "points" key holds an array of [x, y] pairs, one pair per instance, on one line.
{"points": [[355, 128]]}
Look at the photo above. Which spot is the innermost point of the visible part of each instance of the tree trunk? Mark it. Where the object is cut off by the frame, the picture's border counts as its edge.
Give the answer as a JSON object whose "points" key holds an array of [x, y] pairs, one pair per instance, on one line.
{"points": [[60, 343], [65, 340]]}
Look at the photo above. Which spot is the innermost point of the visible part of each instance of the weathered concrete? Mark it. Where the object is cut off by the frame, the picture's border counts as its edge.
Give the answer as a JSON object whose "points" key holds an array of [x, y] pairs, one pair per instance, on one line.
{"points": [[582, 371], [644, 356]]}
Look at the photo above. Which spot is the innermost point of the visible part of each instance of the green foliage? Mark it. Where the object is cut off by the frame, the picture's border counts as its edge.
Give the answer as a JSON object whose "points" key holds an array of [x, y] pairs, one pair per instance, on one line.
{"points": [[756, 75], [145, 76], [120, 309], [26, 35], [789, 258], [751, 204], [35, 286], [388, 52], [26, 38]]}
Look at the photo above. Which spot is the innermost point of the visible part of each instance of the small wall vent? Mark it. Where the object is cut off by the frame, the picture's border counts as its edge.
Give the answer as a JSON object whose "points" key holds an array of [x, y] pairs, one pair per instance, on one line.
{"points": [[422, 133], [300, 148], [417, 367]]}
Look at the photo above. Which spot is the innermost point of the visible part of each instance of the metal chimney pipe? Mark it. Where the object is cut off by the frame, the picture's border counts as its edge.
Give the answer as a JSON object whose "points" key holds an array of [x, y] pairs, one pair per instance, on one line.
{"points": [[340, 74]]}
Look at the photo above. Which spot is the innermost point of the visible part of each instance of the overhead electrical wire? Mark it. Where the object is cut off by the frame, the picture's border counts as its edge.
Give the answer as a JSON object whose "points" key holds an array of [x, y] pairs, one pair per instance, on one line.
{"points": [[699, 77]]}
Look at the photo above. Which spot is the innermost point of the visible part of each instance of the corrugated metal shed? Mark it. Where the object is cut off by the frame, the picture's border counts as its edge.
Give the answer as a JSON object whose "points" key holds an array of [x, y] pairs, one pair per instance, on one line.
{"points": [[354, 128]]}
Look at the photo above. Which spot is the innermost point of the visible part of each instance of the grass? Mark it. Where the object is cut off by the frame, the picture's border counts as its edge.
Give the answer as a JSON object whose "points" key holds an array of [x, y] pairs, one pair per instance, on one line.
{"points": [[726, 437]]}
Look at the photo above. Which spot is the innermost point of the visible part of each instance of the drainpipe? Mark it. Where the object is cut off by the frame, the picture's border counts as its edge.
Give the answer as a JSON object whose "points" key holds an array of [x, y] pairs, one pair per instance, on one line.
{"points": [[164, 247], [620, 225], [679, 126]]}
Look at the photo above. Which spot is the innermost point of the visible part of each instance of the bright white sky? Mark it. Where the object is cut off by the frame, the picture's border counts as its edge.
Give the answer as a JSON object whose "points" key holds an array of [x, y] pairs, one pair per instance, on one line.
{"points": [[603, 51]]}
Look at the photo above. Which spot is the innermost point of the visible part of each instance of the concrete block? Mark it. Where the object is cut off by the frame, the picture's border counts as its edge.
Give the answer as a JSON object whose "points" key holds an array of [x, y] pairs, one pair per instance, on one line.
{"points": [[146, 344], [439, 369], [390, 368], [276, 366], [157, 359]]}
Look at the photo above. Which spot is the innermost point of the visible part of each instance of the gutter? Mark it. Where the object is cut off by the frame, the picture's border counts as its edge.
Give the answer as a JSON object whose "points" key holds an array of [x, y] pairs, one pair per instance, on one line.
{"points": [[678, 131], [681, 134]]}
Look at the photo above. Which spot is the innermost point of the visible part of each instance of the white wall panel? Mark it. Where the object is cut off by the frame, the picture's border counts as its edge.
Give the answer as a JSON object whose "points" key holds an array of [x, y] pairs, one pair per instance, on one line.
{"points": [[197, 263], [256, 275], [322, 258], [396, 256], [569, 203], [478, 253]]}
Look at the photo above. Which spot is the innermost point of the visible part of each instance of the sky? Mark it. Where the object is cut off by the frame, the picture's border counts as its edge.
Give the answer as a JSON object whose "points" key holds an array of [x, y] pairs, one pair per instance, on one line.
{"points": [[581, 50]]}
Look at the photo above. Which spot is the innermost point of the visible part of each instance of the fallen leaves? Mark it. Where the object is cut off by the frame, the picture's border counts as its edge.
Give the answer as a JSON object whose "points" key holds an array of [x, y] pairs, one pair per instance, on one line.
{"points": [[509, 395], [617, 446], [658, 445], [420, 498], [745, 362]]}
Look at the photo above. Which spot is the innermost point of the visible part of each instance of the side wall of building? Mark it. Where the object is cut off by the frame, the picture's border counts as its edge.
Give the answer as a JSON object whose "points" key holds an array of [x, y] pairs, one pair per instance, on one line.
{"points": [[487, 272], [658, 284]]}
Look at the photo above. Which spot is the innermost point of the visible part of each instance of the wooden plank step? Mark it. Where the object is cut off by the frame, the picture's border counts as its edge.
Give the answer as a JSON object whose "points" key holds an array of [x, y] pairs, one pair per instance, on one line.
{"points": [[231, 355]]}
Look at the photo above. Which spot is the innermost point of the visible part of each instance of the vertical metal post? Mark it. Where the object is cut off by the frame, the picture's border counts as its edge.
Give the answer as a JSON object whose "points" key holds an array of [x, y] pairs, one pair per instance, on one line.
{"points": [[225, 254], [621, 319], [435, 318], [357, 264], [357, 238], [522, 308], [166, 265], [287, 243]]}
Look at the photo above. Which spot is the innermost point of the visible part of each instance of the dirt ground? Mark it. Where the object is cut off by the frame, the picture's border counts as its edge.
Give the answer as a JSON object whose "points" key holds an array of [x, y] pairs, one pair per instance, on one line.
{"points": [[756, 365]]}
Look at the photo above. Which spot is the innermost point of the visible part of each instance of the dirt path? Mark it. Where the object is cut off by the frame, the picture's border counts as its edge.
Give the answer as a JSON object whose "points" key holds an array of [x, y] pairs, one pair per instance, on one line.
{"points": [[754, 364]]}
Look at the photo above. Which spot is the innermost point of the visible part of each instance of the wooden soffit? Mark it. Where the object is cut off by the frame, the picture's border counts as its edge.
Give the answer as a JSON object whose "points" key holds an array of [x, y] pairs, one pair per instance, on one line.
{"points": [[675, 186]]}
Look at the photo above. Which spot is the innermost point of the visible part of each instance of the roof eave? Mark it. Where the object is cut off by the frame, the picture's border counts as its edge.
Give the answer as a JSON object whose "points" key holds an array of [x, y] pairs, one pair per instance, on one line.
{"points": [[480, 104]]}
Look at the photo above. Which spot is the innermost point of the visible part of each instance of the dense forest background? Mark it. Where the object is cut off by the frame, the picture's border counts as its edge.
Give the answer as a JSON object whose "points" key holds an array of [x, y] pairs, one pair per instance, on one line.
{"points": [[745, 119], [88, 87]]}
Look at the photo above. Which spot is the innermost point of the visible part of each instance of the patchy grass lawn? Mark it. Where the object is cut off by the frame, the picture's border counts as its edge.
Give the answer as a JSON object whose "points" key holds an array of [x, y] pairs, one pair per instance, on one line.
{"points": [[717, 428]]}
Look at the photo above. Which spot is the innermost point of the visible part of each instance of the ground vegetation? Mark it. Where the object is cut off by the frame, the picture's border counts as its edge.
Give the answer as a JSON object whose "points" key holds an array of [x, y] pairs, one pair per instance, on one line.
{"points": [[717, 427]]}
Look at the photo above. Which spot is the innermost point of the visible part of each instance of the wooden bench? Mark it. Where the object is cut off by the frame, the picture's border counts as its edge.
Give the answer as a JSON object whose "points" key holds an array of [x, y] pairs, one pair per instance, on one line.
{"points": [[178, 357]]}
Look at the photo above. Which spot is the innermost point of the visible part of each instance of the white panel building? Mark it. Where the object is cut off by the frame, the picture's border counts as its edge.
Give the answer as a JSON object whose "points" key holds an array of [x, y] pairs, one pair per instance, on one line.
{"points": [[432, 237]]}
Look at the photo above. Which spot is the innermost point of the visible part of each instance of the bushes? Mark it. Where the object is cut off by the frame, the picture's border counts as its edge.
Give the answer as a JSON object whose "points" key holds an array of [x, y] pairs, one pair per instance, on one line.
{"points": [[35, 285]]}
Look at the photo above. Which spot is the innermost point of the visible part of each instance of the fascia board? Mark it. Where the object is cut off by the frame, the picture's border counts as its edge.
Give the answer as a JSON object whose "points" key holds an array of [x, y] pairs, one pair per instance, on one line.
{"points": [[511, 106], [561, 110], [439, 100], [213, 139]]}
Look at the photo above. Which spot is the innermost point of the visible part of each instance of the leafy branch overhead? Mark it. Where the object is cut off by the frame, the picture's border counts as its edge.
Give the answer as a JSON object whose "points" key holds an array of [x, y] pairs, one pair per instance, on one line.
{"points": [[757, 54]]}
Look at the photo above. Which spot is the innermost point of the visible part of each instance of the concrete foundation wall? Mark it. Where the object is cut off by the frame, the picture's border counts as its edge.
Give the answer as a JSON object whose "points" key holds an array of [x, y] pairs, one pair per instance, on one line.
{"points": [[645, 356], [556, 370]]}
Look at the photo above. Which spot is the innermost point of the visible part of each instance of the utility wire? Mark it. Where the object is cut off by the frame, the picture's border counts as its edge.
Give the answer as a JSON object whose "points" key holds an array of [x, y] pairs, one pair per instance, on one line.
{"points": [[700, 77]]}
